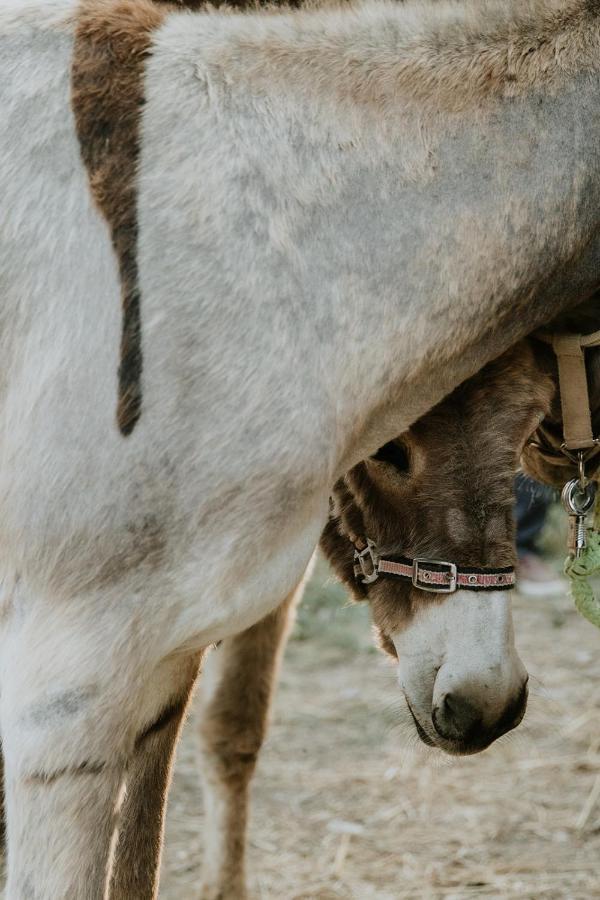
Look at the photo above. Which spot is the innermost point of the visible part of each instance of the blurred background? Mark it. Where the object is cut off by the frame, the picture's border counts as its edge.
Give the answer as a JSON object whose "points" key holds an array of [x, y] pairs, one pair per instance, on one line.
{"points": [[348, 804]]}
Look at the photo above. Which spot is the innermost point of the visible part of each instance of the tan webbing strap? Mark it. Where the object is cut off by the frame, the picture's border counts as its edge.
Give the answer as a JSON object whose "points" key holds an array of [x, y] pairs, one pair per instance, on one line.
{"points": [[591, 340], [574, 398]]}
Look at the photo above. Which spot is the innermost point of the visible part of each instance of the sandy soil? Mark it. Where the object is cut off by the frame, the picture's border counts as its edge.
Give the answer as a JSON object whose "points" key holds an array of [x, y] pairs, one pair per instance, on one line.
{"points": [[346, 805]]}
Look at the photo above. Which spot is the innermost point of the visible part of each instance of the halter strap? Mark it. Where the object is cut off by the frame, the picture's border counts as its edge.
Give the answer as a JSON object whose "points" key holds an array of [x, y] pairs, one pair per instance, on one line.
{"points": [[434, 575], [574, 397]]}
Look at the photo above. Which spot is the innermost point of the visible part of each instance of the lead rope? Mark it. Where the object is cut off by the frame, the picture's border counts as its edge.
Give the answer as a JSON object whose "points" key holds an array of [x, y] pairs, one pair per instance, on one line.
{"points": [[581, 569]]}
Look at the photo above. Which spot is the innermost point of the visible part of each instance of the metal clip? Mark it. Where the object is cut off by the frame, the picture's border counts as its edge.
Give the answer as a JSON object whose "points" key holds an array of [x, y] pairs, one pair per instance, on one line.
{"points": [[370, 571], [577, 499]]}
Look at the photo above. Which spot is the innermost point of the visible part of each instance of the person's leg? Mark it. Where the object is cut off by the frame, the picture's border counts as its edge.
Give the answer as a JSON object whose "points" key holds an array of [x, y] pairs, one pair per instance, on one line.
{"points": [[532, 502]]}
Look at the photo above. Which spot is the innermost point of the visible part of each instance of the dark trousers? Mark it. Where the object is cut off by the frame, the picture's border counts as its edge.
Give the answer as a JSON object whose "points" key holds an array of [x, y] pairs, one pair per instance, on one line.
{"points": [[532, 501]]}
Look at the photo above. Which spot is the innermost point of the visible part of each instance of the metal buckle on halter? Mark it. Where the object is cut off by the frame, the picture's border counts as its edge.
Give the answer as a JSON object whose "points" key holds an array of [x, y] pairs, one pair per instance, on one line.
{"points": [[581, 457], [423, 582], [369, 553]]}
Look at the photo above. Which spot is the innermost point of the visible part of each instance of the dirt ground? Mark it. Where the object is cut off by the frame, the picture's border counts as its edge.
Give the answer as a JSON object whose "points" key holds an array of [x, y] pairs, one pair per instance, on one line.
{"points": [[346, 804]]}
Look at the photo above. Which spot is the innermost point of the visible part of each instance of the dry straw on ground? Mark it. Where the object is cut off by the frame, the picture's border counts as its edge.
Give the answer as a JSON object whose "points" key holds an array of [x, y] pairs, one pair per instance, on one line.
{"points": [[346, 805]]}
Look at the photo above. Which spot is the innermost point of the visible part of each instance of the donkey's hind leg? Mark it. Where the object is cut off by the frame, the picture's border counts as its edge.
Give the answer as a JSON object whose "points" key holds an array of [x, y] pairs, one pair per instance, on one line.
{"points": [[235, 694], [137, 857]]}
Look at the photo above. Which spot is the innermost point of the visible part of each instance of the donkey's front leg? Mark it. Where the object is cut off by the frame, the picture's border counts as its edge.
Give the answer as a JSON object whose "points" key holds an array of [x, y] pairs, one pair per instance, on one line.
{"points": [[81, 688], [137, 857], [235, 694]]}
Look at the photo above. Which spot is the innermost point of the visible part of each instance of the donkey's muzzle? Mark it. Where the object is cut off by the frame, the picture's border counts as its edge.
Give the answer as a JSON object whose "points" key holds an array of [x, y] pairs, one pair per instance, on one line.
{"points": [[465, 727]]}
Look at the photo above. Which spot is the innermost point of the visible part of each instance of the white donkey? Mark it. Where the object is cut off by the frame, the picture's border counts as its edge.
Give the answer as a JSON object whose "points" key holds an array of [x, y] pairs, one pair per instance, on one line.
{"points": [[318, 223]]}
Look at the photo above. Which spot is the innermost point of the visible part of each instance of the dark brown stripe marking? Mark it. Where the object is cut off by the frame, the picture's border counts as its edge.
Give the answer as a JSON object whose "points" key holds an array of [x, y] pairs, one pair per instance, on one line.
{"points": [[86, 768], [169, 714], [112, 41]]}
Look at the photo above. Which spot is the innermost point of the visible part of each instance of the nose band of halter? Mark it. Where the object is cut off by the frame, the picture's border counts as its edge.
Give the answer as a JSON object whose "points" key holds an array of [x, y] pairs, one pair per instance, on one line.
{"points": [[434, 575]]}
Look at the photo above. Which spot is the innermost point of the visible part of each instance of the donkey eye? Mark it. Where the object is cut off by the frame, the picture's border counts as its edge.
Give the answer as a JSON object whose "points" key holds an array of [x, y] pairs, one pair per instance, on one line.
{"points": [[395, 454]]}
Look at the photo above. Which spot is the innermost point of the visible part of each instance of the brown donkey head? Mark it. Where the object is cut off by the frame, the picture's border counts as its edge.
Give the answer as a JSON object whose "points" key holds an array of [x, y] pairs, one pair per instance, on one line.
{"points": [[444, 491]]}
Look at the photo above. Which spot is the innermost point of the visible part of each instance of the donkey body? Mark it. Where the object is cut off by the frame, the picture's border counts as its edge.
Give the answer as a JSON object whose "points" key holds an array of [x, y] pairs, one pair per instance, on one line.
{"points": [[318, 224]]}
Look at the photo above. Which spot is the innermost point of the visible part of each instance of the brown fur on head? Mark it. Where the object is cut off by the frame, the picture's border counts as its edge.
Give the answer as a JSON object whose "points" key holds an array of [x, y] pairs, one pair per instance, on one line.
{"points": [[444, 489]]}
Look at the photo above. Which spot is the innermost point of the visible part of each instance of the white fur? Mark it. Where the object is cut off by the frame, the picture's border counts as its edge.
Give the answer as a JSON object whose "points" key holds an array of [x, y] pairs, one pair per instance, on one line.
{"points": [[316, 272], [465, 645]]}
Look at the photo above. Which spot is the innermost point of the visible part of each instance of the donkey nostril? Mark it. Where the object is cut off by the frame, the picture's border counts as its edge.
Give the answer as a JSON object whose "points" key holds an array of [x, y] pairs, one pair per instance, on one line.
{"points": [[455, 718], [447, 704]]}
